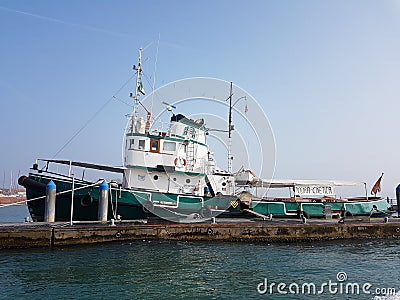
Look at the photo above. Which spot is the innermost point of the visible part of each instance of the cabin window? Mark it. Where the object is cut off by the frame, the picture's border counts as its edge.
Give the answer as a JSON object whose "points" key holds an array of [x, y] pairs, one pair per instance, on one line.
{"points": [[182, 147], [188, 180], [169, 146], [155, 177], [154, 145], [131, 143], [141, 144]]}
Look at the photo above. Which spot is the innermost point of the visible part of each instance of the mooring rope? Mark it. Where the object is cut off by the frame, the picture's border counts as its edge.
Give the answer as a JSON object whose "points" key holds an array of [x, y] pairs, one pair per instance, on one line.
{"points": [[41, 197], [97, 112], [116, 202], [114, 211], [68, 191]]}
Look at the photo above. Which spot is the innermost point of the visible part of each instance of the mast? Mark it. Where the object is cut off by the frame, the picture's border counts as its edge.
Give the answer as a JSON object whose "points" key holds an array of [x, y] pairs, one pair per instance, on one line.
{"points": [[138, 86], [230, 127], [11, 182]]}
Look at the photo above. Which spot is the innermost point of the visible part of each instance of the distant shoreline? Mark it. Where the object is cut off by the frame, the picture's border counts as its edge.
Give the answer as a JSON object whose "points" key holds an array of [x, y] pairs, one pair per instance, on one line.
{"points": [[12, 200]]}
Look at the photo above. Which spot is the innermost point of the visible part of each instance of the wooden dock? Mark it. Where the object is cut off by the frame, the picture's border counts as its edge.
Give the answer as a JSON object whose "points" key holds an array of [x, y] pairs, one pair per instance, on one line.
{"points": [[26, 235]]}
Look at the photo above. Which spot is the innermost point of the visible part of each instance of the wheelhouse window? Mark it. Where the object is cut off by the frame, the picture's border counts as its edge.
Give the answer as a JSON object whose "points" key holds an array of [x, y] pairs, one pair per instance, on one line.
{"points": [[182, 148], [154, 145], [131, 143], [169, 146], [141, 144]]}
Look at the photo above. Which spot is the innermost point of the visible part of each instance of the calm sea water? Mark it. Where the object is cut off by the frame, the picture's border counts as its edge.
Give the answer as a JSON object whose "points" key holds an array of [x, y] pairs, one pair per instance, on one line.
{"points": [[196, 270], [14, 213]]}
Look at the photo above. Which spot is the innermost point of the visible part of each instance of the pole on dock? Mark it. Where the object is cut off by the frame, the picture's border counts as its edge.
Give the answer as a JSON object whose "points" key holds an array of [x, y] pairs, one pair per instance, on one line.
{"points": [[72, 201], [103, 202], [398, 199], [50, 204]]}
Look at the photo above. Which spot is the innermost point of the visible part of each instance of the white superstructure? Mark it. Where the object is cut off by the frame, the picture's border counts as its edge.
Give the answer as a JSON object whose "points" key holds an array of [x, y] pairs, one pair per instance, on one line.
{"points": [[174, 161]]}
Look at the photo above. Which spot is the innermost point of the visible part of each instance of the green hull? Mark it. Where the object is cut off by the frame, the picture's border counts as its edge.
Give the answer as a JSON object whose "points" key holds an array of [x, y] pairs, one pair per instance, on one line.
{"points": [[85, 202], [312, 209], [127, 204], [135, 204]]}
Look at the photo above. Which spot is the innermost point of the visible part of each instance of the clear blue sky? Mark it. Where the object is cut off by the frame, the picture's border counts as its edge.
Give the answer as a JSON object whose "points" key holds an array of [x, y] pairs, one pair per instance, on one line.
{"points": [[326, 73]]}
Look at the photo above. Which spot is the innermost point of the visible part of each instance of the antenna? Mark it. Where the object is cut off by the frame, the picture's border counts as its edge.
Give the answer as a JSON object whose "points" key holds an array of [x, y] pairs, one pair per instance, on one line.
{"points": [[168, 106], [230, 128], [154, 77], [138, 88]]}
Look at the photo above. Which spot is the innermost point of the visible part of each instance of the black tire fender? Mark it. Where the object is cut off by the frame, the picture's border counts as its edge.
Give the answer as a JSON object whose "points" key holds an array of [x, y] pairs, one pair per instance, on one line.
{"points": [[148, 206], [205, 212], [86, 200]]}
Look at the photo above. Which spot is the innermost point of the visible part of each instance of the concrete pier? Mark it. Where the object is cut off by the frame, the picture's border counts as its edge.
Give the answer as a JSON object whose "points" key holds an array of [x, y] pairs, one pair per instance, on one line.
{"points": [[61, 234], [25, 236]]}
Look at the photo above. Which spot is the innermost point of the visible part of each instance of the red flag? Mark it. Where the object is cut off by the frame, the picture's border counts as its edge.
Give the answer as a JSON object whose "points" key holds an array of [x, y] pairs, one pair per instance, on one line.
{"points": [[377, 186]]}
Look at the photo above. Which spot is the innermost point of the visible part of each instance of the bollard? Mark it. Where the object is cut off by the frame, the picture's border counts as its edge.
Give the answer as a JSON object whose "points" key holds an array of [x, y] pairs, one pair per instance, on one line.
{"points": [[327, 211], [398, 199], [50, 204], [103, 202]]}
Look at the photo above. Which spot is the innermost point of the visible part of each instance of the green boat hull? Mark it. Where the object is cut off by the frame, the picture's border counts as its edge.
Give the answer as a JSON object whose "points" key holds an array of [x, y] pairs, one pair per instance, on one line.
{"points": [[125, 204], [137, 204], [317, 209]]}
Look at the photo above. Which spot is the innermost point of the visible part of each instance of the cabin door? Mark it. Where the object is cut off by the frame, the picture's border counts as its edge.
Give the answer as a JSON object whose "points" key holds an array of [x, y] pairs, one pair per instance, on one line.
{"points": [[155, 145]]}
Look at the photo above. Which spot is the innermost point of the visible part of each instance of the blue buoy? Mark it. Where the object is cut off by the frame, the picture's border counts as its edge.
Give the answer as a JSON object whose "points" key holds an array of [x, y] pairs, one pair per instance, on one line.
{"points": [[50, 186], [104, 186]]}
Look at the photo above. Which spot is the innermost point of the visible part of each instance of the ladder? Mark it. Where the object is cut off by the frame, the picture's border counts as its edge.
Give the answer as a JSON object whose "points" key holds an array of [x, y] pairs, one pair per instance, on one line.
{"points": [[190, 159]]}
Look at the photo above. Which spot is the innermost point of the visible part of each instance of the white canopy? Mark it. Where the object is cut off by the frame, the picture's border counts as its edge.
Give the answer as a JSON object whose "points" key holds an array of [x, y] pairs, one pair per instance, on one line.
{"points": [[282, 183]]}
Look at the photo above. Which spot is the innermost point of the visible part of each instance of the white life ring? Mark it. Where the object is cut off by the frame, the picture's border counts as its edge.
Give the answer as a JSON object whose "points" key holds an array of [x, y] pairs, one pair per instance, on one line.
{"points": [[180, 162]]}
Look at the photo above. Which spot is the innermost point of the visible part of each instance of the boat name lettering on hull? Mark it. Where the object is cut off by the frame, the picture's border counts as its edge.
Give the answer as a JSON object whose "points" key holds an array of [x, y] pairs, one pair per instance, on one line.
{"points": [[315, 190]]}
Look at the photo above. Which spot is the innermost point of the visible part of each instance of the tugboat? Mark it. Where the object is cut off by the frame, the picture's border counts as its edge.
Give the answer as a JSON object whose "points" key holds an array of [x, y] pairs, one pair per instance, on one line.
{"points": [[171, 174]]}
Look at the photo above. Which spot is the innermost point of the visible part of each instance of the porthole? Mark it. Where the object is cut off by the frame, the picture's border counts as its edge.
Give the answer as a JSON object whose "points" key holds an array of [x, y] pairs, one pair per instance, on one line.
{"points": [[155, 177], [224, 184], [174, 179], [188, 180]]}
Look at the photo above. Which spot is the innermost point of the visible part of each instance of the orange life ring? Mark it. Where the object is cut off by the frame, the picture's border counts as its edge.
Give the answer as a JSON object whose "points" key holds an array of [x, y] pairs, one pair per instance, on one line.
{"points": [[180, 161]]}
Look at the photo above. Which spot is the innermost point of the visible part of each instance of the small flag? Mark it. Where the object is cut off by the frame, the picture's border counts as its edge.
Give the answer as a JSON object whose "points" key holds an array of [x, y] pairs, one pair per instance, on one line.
{"points": [[141, 89], [377, 186], [246, 109]]}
